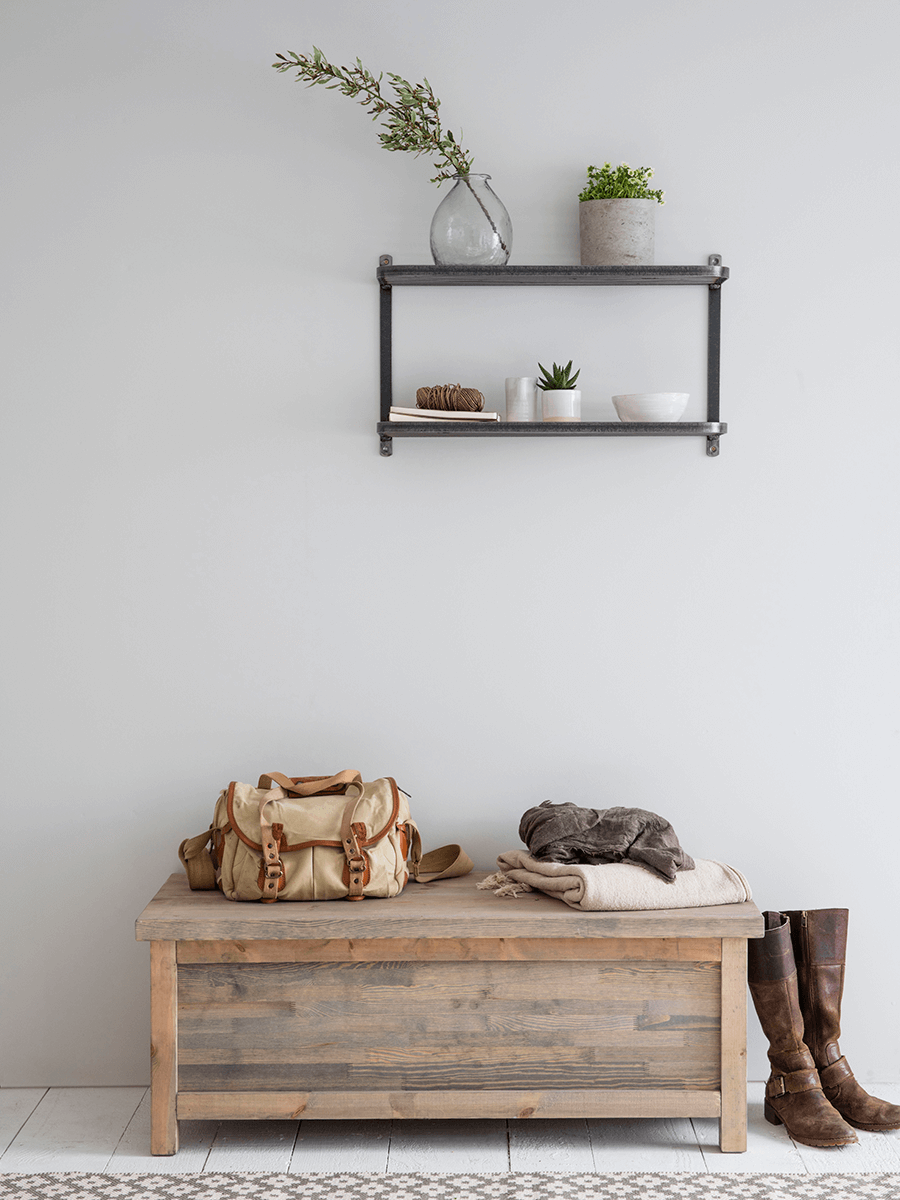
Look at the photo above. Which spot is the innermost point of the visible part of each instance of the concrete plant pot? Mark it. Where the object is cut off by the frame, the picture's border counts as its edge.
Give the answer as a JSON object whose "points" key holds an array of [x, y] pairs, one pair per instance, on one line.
{"points": [[617, 233]]}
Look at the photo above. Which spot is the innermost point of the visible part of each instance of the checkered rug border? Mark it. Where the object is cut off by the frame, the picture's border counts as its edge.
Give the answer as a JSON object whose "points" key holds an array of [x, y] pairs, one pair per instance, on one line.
{"points": [[505, 1186]]}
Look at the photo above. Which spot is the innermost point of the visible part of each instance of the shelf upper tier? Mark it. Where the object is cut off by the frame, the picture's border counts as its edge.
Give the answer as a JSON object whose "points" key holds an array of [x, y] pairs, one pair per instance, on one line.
{"points": [[391, 276]]}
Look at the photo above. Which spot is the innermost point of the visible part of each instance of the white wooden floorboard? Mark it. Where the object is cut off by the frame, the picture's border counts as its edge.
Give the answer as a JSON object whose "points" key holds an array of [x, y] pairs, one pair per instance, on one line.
{"points": [[16, 1106], [645, 1144], [252, 1146], [769, 1149], [133, 1151], [108, 1130], [887, 1091], [73, 1129], [551, 1145], [873, 1153], [342, 1146], [454, 1146]]}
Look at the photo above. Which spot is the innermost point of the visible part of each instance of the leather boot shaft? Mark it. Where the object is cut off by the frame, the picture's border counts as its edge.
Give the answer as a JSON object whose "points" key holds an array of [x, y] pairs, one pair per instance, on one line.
{"points": [[794, 1095], [819, 942], [772, 975]]}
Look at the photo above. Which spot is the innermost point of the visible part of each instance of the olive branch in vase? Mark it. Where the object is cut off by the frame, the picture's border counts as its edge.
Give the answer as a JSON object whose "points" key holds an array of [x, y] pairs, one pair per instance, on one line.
{"points": [[412, 121]]}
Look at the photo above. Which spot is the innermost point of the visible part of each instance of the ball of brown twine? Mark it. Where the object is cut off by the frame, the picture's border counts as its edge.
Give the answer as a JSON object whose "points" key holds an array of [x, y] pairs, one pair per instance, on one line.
{"points": [[450, 397]]}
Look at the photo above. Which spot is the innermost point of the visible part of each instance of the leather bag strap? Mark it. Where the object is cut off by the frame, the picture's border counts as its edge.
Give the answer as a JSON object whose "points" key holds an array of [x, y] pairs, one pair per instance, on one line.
{"points": [[273, 867], [316, 786], [356, 860], [447, 862], [194, 854]]}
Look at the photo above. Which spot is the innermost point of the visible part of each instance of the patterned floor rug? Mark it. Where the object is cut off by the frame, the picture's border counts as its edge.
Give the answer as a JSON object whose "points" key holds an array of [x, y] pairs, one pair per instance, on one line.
{"points": [[507, 1186]]}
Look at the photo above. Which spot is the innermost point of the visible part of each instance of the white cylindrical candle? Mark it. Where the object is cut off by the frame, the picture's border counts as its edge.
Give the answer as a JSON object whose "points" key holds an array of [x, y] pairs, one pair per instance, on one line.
{"points": [[521, 395]]}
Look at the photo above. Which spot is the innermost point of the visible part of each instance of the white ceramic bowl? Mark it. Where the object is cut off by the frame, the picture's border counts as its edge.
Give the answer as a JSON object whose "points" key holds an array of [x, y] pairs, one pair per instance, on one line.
{"points": [[651, 406]]}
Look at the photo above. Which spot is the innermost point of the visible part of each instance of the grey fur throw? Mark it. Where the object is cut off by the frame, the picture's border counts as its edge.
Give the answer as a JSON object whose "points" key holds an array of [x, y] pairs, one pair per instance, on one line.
{"points": [[565, 833]]}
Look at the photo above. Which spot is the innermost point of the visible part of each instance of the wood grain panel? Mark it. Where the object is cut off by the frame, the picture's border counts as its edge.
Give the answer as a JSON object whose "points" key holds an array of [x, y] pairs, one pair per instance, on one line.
{"points": [[457, 1024], [468, 1047], [452, 950], [463, 1049], [565, 1070], [447, 909], [163, 1048], [277, 1031], [733, 1131], [317, 986], [502, 1104]]}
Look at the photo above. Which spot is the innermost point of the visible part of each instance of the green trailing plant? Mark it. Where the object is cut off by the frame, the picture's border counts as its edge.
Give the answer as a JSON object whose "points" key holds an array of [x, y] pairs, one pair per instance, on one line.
{"points": [[560, 379], [412, 120], [619, 183]]}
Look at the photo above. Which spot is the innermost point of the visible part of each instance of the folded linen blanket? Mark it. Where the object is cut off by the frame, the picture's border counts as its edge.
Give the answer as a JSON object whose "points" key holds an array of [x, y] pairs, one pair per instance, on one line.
{"points": [[618, 887]]}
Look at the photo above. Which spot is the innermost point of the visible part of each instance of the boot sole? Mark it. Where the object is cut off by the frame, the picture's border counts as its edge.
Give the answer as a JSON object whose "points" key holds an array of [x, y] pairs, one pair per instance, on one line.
{"points": [[870, 1128], [773, 1118]]}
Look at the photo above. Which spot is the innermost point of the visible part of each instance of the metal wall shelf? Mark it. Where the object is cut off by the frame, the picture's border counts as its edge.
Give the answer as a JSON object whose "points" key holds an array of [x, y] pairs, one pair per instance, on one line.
{"points": [[711, 276]]}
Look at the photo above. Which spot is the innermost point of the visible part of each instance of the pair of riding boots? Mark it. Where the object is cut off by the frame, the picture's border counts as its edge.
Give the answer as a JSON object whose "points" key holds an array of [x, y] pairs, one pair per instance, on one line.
{"points": [[796, 976]]}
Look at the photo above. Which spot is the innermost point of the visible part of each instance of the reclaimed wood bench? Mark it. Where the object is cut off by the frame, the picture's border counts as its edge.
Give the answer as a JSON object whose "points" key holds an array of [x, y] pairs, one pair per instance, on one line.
{"points": [[444, 1001]]}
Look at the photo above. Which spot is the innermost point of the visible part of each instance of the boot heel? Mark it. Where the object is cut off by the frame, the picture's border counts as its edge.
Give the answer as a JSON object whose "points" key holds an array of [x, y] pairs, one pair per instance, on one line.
{"points": [[771, 1115]]}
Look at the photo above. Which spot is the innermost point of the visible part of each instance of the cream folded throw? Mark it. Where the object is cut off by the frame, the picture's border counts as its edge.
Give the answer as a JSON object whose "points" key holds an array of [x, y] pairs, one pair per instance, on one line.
{"points": [[618, 887]]}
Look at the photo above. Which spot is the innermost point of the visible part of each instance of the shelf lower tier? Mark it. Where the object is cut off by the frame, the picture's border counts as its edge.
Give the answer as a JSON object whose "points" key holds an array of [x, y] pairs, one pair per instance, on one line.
{"points": [[711, 430]]}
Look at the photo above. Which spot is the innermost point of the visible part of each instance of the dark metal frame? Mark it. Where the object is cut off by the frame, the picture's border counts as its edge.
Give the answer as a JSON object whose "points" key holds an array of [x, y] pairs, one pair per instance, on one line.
{"points": [[712, 276]]}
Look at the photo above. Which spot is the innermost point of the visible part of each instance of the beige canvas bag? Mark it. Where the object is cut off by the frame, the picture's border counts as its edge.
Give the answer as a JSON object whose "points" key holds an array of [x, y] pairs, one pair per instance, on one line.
{"points": [[314, 838]]}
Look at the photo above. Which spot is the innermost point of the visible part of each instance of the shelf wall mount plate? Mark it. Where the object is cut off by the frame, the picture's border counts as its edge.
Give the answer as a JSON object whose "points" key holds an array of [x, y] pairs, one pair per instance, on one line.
{"points": [[712, 276]]}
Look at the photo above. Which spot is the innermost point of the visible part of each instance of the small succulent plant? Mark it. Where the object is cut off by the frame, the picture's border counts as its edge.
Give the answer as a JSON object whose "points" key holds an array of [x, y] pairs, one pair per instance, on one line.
{"points": [[560, 379]]}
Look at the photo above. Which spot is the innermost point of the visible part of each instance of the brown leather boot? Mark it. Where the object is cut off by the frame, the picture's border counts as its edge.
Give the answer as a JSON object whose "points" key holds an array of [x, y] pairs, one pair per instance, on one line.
{"points": [[794, 1095], [819, 938]]}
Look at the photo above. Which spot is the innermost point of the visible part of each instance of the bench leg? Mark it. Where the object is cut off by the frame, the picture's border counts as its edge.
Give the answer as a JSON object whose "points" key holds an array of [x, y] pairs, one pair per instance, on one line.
{"points": [[163, 1048], [733, 1120]]}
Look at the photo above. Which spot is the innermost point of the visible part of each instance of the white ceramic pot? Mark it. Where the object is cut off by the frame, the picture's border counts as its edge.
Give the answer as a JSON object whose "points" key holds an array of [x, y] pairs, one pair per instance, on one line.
{"points": [[617, 233], [651, 406], [562, 405]]}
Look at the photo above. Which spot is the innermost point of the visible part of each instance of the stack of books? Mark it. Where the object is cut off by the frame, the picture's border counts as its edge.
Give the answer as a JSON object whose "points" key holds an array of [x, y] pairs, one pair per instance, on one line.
{"points": [[435, 414]]}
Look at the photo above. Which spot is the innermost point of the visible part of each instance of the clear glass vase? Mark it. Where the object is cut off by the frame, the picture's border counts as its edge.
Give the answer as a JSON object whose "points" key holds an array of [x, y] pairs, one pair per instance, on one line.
{"points": [[471, 226]]}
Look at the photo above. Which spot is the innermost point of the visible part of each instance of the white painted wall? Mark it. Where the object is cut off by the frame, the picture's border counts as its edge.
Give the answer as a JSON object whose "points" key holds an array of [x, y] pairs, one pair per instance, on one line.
{"points": [[210, 572]]}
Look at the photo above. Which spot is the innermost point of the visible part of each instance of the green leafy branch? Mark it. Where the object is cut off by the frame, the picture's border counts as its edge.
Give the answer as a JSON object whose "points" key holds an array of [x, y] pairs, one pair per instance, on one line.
{"points": [[619, 183], [412, 121]]}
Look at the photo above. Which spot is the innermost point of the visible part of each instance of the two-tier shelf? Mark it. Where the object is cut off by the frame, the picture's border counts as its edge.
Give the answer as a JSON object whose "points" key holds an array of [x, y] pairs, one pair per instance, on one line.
{"points": [[711, 277]]}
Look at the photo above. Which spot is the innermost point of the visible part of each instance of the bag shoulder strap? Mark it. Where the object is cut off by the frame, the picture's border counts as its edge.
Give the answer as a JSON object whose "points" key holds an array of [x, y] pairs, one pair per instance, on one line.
{"points": [[447, 862], [194, 854]]}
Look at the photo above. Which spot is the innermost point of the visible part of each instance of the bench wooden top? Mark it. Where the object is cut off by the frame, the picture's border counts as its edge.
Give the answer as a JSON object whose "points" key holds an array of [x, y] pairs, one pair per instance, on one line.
{"points": [[451, 908]]}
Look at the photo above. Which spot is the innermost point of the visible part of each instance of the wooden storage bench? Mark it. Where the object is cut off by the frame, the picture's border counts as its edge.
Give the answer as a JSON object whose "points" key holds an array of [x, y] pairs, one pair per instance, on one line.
{"points": [[445, 1001]]}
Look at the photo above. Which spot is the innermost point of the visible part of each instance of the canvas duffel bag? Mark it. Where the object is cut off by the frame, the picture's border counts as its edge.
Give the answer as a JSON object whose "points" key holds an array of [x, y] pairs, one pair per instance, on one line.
{"points": [[314, 838]]}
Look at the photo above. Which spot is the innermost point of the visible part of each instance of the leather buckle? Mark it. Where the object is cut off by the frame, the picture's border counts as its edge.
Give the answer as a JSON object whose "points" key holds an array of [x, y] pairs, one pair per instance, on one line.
{"points": [[770, 1089], [274, 870]]}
